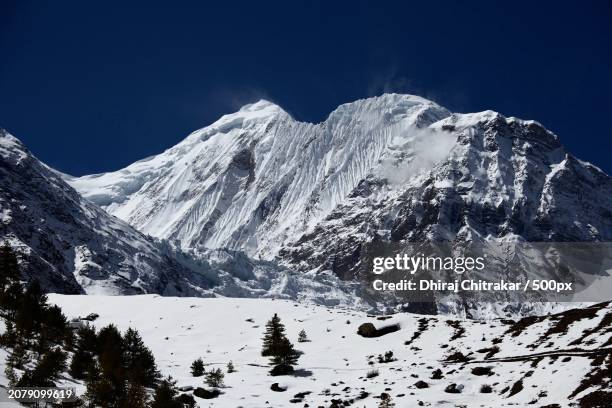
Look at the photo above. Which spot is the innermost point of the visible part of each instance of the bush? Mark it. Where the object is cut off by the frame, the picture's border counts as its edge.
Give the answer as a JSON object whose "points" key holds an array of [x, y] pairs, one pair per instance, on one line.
{"points": [[388, 358], [214, 378], [486, 389], [385, 401], [197, 368], [302, 337], [372, 374]]}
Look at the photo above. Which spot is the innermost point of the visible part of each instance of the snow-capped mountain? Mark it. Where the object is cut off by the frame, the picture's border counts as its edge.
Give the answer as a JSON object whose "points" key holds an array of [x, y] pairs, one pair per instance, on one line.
{"points": [[394, 167], [257, 179], [73, 246]]}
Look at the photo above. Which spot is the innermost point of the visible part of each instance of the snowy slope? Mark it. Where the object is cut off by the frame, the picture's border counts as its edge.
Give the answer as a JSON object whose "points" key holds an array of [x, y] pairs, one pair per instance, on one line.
{"points": [[70, 244], [549, 356]]}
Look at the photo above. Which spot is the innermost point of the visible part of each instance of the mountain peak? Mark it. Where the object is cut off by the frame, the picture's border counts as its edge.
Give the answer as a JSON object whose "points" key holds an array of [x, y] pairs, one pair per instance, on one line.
{"points": [[11, 147], [261, 108]]}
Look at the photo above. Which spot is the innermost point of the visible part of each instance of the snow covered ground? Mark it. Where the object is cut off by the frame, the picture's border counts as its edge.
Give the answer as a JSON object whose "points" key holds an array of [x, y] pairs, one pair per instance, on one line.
{"points": [[336, 361]]}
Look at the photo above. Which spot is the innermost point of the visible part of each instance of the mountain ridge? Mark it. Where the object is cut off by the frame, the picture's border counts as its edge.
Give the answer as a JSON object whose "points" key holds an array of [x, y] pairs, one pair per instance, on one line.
{"points": [[376, 139]]}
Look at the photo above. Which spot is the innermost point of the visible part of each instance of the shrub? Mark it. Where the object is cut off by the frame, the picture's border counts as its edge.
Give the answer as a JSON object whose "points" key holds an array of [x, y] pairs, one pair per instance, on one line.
{"points": [[302, 337], [214, 378], [197, 368], [372, 374]]}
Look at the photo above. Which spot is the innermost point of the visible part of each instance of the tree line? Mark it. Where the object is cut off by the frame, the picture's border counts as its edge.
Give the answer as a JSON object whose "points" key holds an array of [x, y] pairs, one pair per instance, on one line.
{"points": [[119, 370]]}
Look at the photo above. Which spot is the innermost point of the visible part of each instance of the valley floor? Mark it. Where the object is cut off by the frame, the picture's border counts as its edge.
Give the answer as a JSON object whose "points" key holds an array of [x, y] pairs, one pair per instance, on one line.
{"points": [[539, 361]]}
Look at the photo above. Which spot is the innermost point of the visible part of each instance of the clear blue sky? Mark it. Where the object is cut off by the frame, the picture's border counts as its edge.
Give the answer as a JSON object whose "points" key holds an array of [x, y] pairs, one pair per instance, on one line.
{"points": [[93, 86]]}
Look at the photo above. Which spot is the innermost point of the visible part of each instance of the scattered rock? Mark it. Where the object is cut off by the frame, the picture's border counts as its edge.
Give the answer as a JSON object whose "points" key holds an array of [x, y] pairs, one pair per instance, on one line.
{"points": [[482, 371], [454, 388], [278, 388], [369, 330], [486, 389], [436, 374], [206, 394], [516, 388]]}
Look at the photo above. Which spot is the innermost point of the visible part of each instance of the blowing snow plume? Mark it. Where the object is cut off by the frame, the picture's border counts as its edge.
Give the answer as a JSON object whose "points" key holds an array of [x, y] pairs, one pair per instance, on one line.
{"points": [[416, 151]]}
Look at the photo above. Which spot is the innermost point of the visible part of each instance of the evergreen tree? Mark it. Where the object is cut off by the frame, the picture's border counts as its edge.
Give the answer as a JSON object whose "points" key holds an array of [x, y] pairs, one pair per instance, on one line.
{"points": [[30, 313], [302, 337], [214, 378], [10, 299], [112, 367], [284, 358], [136, 397], [230, 367], [9, 337], [19, 355], [275, 332], [197, 368], [53, 328], [165, 395], [139, 360], [100, 390], [11, 291], [83, 359], [9, 266], [46, 371]]}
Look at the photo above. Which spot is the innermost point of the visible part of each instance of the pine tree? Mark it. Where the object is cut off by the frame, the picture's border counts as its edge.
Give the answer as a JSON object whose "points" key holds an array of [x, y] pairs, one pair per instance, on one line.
{"points": [[30, 313], [138, 360], [136, 397], [214, 378], [230, 367], [9, 337], [53, 328], [83, 359], [197, 368], [46, 371], [10, 300], [19, 355], [302, 337], [100, 390], [112, 367], [9, 266], [285, 358], [165, 395], [275, 332]]}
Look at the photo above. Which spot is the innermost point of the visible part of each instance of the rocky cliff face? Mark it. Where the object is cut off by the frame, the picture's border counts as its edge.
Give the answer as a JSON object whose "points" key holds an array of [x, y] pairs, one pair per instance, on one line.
{"points": [[70, 244], [394, 167], [504, 179]]}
